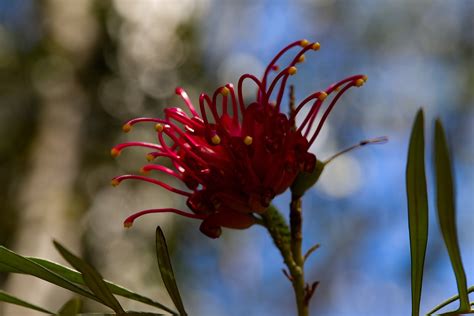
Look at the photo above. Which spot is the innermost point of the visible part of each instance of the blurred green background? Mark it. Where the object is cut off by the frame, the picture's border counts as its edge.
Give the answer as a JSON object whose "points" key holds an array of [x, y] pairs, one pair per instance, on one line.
{"points": [[72, 72]]}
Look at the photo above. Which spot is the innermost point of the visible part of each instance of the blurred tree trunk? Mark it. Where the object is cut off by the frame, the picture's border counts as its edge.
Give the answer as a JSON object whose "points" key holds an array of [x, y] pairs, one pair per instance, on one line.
{"points": [[46, 200]]}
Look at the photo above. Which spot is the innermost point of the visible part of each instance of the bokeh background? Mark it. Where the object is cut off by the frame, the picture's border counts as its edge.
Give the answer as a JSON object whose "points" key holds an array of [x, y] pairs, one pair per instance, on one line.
{"points": [[71, 72]]}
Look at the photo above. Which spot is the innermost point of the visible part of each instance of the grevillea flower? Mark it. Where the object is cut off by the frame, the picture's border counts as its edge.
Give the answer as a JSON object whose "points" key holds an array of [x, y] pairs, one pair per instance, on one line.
{"points": [[236, 155]]}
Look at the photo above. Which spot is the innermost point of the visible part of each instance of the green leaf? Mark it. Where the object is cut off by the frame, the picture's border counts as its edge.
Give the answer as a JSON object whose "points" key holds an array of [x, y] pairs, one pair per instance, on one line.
{"points": [[71, 307], [164, 263], [305, 180], [131, 313], [92, 279], [447, 212], [13, 262], [5, 297], [142, 314], [76, 277], [448, 301], [417, 199]]}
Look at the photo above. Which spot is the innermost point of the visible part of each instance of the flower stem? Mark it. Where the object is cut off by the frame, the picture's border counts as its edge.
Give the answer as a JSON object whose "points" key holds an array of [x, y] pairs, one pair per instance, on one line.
{"points": [[290, 249], [296, 241], [280, 233]]}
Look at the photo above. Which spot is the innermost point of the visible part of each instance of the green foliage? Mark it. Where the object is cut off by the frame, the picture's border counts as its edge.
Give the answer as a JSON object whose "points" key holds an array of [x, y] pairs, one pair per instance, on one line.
{"points": [[418, 214], [12, 262], [166, 270], [76, 277], [92, 279], [417, 198], [449, 301], [447, 213], [71, 307], [100, 290], [5, 297], [306, 180]]}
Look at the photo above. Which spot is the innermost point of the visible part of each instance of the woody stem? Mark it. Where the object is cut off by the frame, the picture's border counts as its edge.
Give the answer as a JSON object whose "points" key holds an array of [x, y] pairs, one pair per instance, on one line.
{"points": [[296, 235], [296, 241], [280, 233]]}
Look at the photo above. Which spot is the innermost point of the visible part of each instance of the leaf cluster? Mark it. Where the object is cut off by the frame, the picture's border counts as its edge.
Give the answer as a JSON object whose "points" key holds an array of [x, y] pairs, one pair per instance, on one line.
{"points": [[87, 282], [417, 198]]}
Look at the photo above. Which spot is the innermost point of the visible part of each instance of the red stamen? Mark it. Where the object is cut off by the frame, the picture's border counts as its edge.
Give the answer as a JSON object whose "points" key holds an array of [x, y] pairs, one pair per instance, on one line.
{"points": [[145, 119], [154, 181], [179, 116], [316, 106], [281, 91], [129, 220], [312, 116], [166, 124], [180, 91], [240, 90], [119, 147], [284, 72], [275, 59], [179, 164], [328, 110], [315, 95], [214, 101], [335, 86], [182, 145], [204, 98], [283, 82], [224, 103], [235, 110], [164, 169]]}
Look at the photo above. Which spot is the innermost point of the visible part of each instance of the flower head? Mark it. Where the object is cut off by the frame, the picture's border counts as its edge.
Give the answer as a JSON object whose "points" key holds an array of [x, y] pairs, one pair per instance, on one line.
{"points": [[236, 156]]}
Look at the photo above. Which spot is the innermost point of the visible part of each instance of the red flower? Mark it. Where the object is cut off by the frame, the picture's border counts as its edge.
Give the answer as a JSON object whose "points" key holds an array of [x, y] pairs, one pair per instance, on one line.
{"points": [[236, 157]]}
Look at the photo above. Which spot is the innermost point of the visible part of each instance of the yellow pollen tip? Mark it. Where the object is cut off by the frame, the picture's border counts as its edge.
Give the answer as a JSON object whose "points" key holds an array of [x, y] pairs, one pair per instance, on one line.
{"points": [[248, 140], [359, 82], [322, 95], [365, 78], [292, 70], [159, 127], [114, 152], [225, 91], [150, 157], [301, 59], [216, 140], [304, 43], [126, 128], [316, 46], [127, 224], [114, 182]]}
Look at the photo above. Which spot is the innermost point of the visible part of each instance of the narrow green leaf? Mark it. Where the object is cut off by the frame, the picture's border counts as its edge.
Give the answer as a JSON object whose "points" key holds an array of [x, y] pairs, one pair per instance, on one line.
{"points": [[13, 262], [164, 263], [92, 279], [448, 301], [71, 307], [7, 298], [76, 277], [142, 314], [417, 198], [447, 212], [126, 314]]}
